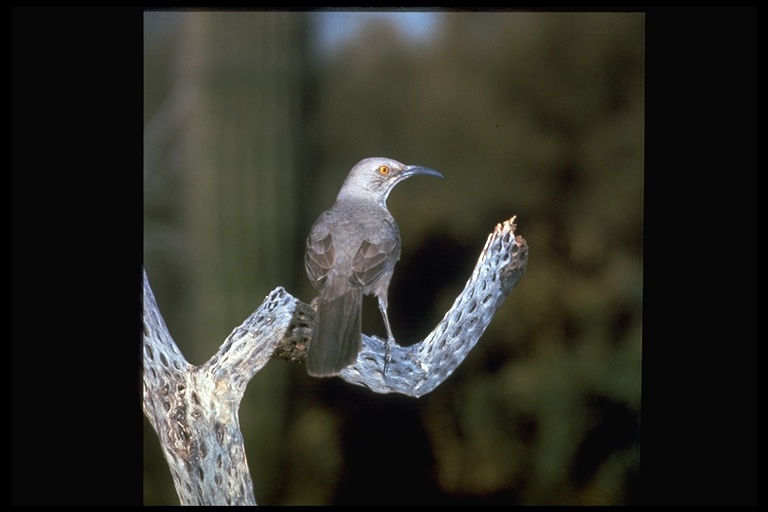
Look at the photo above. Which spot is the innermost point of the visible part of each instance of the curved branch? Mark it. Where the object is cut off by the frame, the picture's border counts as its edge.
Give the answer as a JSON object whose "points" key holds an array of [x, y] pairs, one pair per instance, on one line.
{"points": [[418, 369], [193, 409]]}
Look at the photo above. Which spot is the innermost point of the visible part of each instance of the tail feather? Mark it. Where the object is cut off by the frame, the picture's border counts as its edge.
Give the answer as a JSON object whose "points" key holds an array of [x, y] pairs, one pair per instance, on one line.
{"points": [[336, 339]]}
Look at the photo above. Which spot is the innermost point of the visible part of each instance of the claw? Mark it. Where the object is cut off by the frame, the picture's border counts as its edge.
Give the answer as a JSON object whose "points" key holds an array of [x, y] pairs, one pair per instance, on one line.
{"points": [[387, 354]]}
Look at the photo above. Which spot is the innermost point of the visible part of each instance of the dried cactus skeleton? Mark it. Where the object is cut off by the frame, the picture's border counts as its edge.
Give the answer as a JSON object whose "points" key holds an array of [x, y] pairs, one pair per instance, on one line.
{"points": [[194, 409]]}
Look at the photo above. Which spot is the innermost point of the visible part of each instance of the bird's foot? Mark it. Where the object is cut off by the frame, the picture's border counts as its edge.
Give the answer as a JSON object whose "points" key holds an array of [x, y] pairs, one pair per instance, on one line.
{"points": [[387, 354]]}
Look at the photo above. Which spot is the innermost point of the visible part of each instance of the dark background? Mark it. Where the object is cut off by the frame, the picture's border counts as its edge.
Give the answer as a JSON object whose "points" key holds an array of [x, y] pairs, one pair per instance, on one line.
{"points": [[546, 408]]}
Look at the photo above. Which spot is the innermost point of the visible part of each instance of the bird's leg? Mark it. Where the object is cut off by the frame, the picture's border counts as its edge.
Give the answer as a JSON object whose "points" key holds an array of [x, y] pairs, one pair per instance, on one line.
{"points": [[390, 338]]}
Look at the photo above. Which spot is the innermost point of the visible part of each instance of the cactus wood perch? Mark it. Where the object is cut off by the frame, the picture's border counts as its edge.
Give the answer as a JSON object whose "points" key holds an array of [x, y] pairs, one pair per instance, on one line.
{"points": [[194, 409]]}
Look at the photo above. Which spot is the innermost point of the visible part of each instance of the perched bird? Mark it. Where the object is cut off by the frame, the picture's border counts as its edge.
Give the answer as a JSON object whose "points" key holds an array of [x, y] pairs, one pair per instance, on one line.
{"points": [[351, 251]]}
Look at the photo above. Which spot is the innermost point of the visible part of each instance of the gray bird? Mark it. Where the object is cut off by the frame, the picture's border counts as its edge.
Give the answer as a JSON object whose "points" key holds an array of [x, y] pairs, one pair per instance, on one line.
{"points": [[351, 251]]}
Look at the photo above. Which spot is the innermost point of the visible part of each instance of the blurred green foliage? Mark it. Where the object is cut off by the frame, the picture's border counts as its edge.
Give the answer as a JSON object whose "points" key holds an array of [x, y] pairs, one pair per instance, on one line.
{"points": [[538, 115]]}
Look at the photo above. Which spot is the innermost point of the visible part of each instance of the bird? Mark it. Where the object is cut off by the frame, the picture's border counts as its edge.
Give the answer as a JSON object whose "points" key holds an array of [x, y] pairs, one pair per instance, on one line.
{"points": [[351, 251]]}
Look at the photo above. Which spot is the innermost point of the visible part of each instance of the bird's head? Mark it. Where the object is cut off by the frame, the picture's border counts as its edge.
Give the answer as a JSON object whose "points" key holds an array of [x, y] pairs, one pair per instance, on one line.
{"points": [[376, 177]]}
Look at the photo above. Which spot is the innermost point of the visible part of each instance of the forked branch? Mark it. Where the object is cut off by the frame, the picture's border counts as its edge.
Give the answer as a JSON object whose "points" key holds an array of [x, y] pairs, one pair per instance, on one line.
{"points": [[193, 409]]}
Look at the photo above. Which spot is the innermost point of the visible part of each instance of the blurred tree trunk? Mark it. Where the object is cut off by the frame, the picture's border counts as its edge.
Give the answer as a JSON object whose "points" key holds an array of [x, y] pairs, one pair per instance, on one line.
{"points": [[241, 149]]}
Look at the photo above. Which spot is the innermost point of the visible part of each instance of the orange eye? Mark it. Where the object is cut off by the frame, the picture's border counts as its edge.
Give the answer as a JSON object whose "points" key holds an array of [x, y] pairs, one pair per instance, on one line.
{"points": [[383, 169]]}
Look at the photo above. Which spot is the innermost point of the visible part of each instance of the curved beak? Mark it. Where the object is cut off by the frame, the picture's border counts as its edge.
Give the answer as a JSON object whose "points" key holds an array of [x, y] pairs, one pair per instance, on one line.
{"points": [[413, 170]]}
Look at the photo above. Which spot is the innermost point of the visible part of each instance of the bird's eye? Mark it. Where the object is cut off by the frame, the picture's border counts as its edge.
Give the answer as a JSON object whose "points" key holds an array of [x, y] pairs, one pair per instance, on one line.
{"points": [[383, 169]]}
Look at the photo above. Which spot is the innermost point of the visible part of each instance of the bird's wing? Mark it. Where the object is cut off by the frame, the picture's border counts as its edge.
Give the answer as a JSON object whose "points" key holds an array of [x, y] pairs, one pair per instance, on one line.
{"points": [[373, 260], [319, 257]]}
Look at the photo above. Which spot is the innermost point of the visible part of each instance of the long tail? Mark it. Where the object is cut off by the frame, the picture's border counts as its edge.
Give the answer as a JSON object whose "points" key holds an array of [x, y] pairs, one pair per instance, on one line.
{"points": [[336, 339]]}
